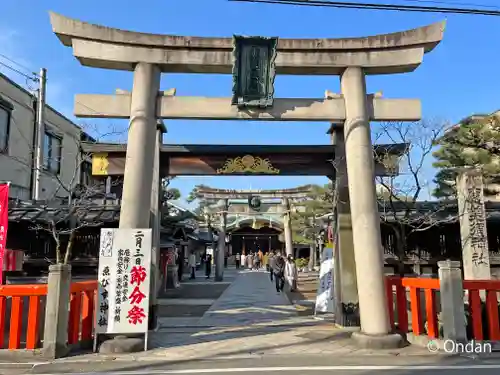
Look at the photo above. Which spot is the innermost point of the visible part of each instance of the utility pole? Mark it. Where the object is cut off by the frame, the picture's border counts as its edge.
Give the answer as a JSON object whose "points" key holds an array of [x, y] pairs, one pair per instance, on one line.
{"points": [[40, 133]]}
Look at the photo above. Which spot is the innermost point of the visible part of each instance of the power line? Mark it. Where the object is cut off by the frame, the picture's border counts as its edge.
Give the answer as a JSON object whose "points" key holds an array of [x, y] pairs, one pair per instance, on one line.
{"points": [[475, 5], [33, 78], [373, 6], [18, 64]]}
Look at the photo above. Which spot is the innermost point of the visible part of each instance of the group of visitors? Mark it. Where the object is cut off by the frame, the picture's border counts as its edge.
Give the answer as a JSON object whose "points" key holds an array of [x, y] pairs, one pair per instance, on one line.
{"points": [[252, 261], [282, 269]]}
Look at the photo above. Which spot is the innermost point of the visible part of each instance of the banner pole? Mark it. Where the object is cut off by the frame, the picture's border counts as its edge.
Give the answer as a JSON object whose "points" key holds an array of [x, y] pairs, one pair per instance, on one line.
{"points": [[4, 223]]}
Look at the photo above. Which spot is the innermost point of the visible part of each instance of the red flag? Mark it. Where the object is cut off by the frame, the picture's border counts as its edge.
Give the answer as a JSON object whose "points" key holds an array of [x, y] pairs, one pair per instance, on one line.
{"points": [[4, 223]]}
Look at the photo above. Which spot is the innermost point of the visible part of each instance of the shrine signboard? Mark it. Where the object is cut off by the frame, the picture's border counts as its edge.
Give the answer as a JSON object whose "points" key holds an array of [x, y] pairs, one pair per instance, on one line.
{"points": [[124, 281], [254, 71]]}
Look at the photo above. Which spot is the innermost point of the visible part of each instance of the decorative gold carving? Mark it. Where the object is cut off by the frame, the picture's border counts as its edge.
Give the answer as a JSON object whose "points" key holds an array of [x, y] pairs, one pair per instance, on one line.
{"points": [[100, 164], [248, 164]]}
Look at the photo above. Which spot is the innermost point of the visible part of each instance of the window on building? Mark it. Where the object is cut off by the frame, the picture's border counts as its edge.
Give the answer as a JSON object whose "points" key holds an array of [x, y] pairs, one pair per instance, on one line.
{"points": [[52, 147], [5, 112]]}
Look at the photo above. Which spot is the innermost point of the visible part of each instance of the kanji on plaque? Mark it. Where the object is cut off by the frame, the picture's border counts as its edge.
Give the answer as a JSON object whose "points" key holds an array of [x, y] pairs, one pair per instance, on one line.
{"points": [[124, 301], [136, 315], [136, 296], [138, 275]]}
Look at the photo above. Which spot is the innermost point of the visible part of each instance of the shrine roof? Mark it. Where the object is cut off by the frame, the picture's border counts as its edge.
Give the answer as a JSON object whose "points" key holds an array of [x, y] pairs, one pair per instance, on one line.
{"points": [[68, 29], [428, 211], [91, 212]]}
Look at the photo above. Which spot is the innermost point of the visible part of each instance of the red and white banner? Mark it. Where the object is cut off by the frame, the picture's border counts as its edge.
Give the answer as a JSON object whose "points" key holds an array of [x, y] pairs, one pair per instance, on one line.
{"points": [[4, 222], [13, 260]]}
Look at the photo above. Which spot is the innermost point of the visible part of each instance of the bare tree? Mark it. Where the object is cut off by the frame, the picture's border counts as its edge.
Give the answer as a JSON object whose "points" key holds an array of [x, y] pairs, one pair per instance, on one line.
{"points": [[400, 197]]}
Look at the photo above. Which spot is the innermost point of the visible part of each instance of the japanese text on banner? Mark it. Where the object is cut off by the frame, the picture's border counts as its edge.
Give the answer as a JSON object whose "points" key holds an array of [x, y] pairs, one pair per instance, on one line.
{"points": [[126, 253]]}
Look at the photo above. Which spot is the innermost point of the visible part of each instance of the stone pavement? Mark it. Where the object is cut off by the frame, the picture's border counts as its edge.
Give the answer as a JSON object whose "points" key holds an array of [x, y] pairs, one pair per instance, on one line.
{"points": [[252, 319], [184, 306], [249, 325]]}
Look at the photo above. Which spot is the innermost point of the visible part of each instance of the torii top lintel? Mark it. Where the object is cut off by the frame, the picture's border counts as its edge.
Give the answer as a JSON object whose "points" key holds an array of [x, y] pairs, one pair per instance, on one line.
{"points": [[210, 193], [104, 47]]}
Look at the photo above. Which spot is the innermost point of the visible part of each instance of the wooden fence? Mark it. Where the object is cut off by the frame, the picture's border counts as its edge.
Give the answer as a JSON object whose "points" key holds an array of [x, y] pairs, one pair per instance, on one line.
{"points": [[22, 314], [407, 313]]}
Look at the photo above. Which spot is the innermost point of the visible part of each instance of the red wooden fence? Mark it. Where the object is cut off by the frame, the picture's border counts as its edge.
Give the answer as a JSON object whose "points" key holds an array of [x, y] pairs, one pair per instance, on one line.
{"points": [[81, 313], [398, 310]]}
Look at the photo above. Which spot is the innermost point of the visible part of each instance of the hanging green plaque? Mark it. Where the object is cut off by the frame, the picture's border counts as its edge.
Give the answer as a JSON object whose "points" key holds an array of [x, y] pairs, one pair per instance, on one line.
{"points": [[254, 71]]}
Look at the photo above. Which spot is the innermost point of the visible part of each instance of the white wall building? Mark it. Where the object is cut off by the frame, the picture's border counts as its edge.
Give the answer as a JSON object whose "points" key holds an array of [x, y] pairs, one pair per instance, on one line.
{"points": [[62, 159]]}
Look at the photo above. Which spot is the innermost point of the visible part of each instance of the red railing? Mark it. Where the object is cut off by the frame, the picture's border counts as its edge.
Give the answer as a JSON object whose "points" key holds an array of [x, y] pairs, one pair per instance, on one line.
{"points": [[490, 288], [398, 310], [398, 286], [81, 313]]}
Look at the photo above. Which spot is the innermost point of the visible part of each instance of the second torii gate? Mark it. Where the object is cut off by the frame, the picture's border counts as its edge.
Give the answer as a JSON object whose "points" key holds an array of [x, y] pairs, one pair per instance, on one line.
{"points": [[223, 196]]}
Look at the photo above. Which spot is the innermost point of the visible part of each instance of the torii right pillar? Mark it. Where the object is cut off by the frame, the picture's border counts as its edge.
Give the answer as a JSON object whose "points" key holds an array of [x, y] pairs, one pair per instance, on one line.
{"points": [[374, 313]]}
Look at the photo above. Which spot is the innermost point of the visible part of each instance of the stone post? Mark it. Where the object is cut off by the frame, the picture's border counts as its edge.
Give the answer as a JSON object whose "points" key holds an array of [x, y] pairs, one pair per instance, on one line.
{"points": [[348, 287], [472, 214], [155, 222], [138, 174], [55, 334], [452, 301], [374, 314], [287, 224]]}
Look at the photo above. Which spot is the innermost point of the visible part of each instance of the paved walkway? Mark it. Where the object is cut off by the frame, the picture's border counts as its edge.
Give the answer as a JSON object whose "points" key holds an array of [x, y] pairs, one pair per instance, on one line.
{"points": [[251, 300], [251, 320], [184, 307]]}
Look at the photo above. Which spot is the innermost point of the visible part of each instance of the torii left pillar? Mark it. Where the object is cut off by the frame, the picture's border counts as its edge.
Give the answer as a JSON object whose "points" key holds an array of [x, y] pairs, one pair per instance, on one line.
{"points": [[139, 167], [138, 174]]}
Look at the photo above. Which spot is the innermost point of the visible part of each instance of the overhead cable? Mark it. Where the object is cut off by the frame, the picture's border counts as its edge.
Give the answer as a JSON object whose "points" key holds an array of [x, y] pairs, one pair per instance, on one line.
{"points": [[374, 6]]}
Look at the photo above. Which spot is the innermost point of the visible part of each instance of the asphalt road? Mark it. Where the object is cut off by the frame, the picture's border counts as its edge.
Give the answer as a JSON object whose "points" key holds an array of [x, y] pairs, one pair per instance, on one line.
{"points": [[352, 365]]}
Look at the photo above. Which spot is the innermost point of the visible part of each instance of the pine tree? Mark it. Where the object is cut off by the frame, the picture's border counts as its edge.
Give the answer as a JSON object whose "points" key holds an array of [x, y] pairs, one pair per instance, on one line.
{"points": [[319, 202], [473, 143]]}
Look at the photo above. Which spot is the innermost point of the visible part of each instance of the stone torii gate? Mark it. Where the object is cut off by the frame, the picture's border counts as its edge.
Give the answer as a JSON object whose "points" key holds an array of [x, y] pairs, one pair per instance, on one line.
{"points": [[148, 55]]}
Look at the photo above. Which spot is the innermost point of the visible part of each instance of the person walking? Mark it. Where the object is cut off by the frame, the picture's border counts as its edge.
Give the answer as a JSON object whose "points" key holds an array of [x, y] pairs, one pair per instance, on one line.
{"points": [[260, 255], [243, 260], [291, 273], [250, 261], [256, 262], [192, 265], [208, 266], [279, 272], [180, 264], [238, 260], [271, 260]]}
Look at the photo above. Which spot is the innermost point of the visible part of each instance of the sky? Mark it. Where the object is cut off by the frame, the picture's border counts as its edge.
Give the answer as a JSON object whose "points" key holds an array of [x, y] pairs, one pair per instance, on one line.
{"points": [[459, 78]]}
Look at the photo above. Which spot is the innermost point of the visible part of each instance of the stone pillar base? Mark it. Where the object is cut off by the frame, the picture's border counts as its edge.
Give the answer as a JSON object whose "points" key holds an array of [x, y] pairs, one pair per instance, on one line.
{"points": [[349, 316], [172, 278], [122, 344], [153, 317], [388, 341]]}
